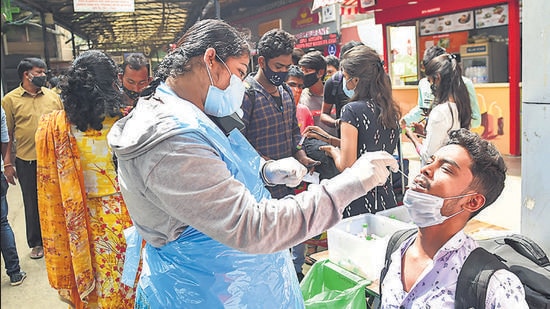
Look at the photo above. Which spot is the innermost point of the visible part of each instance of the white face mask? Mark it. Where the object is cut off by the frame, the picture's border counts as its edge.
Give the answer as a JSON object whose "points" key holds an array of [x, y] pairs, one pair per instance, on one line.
{"points": [[220, 103], [349, 92], [425, 209]]}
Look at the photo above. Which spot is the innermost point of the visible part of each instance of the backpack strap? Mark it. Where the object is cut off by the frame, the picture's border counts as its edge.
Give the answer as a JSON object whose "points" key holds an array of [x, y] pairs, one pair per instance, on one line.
{"points": [[337, 77], [395, 241], [473, 279], [290, 93]]}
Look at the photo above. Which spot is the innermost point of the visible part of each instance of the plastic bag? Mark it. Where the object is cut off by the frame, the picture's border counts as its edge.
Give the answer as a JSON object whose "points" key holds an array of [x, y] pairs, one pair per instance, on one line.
{"points": [[327, 286]]}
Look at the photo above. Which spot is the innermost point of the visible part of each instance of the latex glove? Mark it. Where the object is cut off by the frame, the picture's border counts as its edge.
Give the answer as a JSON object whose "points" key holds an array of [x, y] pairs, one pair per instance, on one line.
{"points": [[287, 171], [372, 168]]}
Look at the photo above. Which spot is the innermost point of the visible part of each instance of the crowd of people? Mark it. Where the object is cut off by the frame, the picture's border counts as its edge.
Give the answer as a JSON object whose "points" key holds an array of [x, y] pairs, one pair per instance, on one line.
{"points": [[180, 190]]}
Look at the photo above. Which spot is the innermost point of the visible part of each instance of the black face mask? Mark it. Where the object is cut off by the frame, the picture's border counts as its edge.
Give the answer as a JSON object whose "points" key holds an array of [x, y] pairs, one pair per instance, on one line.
{"points": [[131, 94], [38, 81], [310, 79], [276, 78]]}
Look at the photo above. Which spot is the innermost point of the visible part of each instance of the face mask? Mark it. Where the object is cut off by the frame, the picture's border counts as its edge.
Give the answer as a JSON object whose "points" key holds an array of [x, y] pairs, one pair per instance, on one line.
{"points": [[221, 103], [131, 94], [276, 78], [310, 79], [425, 209], [297, 92], [38, 81], [349, 92]]}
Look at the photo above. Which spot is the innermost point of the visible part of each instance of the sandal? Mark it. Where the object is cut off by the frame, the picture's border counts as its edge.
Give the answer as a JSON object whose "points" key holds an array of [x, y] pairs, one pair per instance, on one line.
{"points": [[37, 252]]}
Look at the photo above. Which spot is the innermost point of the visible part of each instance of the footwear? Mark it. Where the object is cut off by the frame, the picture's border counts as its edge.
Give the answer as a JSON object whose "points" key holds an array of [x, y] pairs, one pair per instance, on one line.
{"points": [[310, 260], [37, 252], [17, 278]]}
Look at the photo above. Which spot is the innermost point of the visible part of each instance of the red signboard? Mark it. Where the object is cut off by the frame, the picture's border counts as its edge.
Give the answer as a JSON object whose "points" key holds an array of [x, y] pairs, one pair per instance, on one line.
{"points": [[318, 40]]}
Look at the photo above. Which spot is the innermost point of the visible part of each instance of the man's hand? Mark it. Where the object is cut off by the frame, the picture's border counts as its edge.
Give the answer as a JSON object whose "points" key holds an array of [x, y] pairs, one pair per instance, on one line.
{"points": [[10, 173]]}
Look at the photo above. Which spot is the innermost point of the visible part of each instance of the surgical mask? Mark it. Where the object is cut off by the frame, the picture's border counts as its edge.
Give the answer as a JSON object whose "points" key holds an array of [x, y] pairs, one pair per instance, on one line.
{"points": [[133, 95], [425, 209], [310, 79], [276, 78], [221, 103], [349, 92], [38, 81]]}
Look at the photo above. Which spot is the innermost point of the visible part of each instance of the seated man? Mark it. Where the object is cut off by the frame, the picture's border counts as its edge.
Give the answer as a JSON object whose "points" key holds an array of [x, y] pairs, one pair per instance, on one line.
{"points": [[463, 177]]}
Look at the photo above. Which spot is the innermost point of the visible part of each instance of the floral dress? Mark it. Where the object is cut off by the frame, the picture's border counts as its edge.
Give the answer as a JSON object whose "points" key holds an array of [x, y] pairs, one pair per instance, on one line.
{"points": [[82, 214]]}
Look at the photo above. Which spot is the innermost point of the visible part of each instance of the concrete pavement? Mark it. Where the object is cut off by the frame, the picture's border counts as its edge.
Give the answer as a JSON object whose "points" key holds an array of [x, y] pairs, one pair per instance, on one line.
{"points": [[36, 293]]}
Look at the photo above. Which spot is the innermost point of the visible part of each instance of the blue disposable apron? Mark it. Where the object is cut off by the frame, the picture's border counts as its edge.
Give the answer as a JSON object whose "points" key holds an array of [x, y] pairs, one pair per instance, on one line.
{"points": [[196, 271]]}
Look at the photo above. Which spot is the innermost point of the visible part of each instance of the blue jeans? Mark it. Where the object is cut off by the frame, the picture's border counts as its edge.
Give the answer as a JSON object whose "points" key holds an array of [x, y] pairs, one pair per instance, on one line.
{"points": [[9, 251]]}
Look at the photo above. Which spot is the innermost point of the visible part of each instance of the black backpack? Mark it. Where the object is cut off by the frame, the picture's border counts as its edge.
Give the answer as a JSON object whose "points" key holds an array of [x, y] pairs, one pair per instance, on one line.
{"points": [[517, 253]]}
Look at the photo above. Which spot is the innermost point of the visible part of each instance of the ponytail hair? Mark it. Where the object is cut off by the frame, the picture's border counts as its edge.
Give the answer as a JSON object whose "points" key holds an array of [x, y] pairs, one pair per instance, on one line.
{"points": [[207, 33], [374, 83], [451, 85]]}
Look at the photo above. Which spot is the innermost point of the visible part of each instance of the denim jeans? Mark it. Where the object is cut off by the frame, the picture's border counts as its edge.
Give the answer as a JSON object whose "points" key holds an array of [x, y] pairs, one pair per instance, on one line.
{"points": [[9, 251]]}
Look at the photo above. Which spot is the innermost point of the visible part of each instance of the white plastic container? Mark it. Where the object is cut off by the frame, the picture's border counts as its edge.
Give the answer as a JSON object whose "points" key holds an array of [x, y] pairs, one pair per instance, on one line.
{"points": [[398, 213], [356, 254]]}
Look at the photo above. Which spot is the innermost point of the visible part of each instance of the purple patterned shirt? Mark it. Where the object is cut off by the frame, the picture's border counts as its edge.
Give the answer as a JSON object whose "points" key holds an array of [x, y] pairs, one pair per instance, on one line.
{"points": [[435, 287]]}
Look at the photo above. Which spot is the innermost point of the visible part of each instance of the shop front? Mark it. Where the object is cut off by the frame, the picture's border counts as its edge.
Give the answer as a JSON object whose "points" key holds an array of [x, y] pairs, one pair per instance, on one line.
{"points": [[486, 36], [317, 29]]}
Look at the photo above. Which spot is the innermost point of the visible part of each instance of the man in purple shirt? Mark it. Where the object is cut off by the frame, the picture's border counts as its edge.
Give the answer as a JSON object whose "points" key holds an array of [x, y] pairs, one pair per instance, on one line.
{"points": [[270, 114], [461, 179]]}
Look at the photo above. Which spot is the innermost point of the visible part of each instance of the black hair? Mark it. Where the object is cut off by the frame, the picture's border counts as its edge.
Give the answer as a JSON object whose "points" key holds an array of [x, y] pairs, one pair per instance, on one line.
{"points": [[349, 45], [333, 61], [446, 68], [295, 70], [27, 64], [364, 63], [488, 167], [274, 43], [432, 52], [136, 61], [207, 33], [88, 90], [314, 60], [297, 54], [54, 81]]}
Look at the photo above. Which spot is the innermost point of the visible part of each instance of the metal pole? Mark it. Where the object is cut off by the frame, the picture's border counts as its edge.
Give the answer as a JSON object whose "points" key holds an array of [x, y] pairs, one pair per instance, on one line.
{"points": [[73, 43], [217, 3], [45, 39]]}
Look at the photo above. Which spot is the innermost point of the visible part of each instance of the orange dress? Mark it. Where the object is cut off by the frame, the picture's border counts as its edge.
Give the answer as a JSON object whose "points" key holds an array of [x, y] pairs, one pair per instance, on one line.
{"points": [[82, 214]]}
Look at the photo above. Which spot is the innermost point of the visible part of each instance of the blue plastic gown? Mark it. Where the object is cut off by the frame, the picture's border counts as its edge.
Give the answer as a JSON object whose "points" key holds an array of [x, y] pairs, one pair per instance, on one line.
{"points": [[196, 271]]}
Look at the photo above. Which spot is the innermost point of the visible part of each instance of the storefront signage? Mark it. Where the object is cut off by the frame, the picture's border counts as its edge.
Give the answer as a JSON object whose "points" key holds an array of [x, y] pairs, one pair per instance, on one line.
{"points": [[476, 49], [305, 18], [492, 16], [318, 40], [447, 23], [314, 32], [103, 6]]}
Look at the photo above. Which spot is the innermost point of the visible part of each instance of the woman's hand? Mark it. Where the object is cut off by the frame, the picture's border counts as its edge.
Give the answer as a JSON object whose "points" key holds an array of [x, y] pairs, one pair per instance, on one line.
{"points": [[331, 151], [317, 133]]}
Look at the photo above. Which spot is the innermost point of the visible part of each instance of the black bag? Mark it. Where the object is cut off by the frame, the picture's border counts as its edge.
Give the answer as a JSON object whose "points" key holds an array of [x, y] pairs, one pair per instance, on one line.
{"points": [[516, 253]]}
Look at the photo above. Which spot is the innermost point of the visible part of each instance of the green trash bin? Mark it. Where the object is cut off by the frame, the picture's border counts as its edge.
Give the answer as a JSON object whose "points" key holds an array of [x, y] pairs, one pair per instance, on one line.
{"points": [[328, 286]]}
